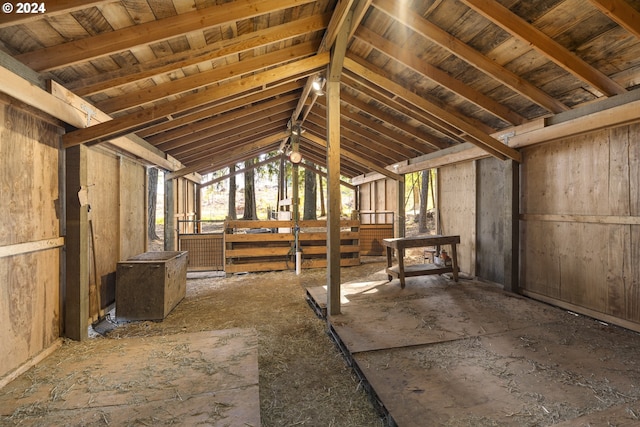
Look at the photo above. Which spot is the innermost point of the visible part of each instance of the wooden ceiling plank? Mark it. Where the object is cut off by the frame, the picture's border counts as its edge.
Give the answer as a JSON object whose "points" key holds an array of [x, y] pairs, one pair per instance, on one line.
{"points": [[427, 139], [471, 56], [194, 156], [544, 44], [442, 78], [53, 8], [229, 155], [471, 120], [374, 150], [239, 171], [472, 134], [141, 119], [378, 150], [221, 108], [622, 13], [400, 142], [197, 81], [211, 52], [223, 120], [419, 115], [126, 38], [338, 20], [356, 158], [212, 137]]}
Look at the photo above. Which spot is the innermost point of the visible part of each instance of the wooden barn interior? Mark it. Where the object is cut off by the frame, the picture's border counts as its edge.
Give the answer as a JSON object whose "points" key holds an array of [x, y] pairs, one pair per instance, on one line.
{"points": [[527, 111]]}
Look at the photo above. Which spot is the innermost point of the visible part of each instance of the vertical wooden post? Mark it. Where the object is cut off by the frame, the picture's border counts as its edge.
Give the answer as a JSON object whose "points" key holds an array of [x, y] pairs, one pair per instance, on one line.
{"points": [[333, 167], [333, 197], [512, 226], [400, 221], [169, 215], [295, 176], [198, 202], [76, 311]]}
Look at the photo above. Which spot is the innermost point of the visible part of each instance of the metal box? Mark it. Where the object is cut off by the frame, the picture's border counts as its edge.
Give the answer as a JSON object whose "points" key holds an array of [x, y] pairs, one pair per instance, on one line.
{"points": [[150, 285]]}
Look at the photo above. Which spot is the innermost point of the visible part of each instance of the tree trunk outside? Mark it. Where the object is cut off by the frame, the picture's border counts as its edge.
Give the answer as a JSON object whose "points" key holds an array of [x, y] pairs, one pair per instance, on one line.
{"points": [[250, 209], [323, 211], [424, 191], [232, 193], [152, 196], [310, 195]]}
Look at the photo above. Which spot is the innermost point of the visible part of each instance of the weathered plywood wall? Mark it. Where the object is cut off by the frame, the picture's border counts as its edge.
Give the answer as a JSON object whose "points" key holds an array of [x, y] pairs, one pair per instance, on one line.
{"points": [[133, 208], [30, 234], [580, 224], [106, 225], [103, 182], [490, 223], [457, 210]]}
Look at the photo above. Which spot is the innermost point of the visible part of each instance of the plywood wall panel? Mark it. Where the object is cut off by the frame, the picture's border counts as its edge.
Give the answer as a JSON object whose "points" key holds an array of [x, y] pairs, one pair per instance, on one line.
{"points": [[540, 259], [632, 282], [490, 220], [104, 234], [634, 169], [29, 306], [30, 210], [28, 177], [133, 212], [457, 209], [568, 177], [580, 240]]}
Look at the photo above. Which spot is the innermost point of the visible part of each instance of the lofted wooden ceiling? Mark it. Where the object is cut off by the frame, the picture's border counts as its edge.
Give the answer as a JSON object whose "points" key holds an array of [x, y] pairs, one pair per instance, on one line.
{"points": [[213, 82]]}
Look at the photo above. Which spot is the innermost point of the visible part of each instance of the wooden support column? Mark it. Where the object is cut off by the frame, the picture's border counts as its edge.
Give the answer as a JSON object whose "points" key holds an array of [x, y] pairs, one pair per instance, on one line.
{"points": [[334, 202], [512, 226], [169, 215], [198, 201], [400, 220], [76, 292]]}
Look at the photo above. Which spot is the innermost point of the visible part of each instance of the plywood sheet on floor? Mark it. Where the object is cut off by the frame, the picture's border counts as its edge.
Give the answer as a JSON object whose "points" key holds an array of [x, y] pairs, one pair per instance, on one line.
{"points": [[208, 378], [453, 354]]}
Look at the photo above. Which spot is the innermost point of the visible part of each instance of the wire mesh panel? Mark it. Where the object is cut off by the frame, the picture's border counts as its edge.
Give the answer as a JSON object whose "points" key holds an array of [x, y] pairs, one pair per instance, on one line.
{"points": [[206, 251], [371, 236]]}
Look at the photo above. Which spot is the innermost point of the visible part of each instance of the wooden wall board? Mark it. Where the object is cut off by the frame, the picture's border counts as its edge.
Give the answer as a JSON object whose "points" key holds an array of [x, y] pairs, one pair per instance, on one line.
{"points": [[103, 170], [570, 176], [31, 208], [133, 211], [28, 177], [490, 220], [457, 210], [579, 223], [29, 306]]}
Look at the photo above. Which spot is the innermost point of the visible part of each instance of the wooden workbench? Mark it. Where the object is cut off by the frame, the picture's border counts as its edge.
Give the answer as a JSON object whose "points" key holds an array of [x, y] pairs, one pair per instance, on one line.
{"points": [[401, 243]]}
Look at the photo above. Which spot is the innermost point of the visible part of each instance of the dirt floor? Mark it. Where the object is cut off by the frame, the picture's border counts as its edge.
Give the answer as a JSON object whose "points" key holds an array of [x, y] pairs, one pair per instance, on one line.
{"points": [[303, 379]]}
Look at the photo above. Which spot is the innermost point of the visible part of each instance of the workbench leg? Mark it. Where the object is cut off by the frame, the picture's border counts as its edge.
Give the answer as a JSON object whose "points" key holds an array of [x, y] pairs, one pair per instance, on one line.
{"points": [[389, 261], [454, 261], [401, 267]]}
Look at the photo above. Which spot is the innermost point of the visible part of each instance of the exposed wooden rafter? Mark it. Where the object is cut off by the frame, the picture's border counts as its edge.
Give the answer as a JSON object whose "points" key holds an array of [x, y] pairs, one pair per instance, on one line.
{"points": [[457, 47], [544, 44], [89, 48], [621, 12]]}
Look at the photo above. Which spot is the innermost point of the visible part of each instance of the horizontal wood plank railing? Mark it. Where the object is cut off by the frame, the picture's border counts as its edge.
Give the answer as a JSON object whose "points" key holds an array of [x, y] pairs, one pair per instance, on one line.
{"points": [[252, 246]]}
